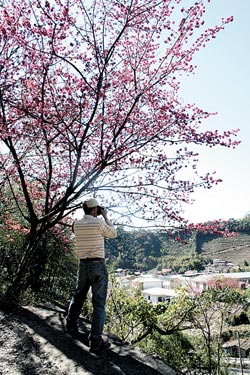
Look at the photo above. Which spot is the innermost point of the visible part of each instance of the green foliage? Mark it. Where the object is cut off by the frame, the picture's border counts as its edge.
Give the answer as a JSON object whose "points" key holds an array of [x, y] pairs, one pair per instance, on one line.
{"points": [[186, 332], [181, 264], [128, 315], [247, 296], [132, 318], [57, 278], [240, 225], [214, 310], [185, 352], [174, 350], [11, 243], [53, 271], [134, 249], [145, 250]]}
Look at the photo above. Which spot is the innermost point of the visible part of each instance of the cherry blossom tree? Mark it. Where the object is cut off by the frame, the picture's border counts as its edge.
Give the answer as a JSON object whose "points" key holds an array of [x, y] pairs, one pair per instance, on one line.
{"points": [[89, 105]]}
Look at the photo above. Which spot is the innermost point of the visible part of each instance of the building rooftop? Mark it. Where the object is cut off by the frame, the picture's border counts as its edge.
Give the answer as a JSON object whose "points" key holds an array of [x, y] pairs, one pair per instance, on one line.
{"points": [[244, 344], [162, 292], [233, 275]]}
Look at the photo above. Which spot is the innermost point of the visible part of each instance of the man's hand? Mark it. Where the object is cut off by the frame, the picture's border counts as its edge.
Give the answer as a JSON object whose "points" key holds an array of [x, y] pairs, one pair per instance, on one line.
{"points": [[105, 213]]}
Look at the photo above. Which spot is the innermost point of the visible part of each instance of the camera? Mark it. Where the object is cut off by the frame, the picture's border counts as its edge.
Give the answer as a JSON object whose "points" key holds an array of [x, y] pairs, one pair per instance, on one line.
{"points": [[99, 210]]}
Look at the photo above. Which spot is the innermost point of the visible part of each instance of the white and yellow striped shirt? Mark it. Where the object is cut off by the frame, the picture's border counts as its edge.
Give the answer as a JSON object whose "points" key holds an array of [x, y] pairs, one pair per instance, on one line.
{"points": [[90, 232]]}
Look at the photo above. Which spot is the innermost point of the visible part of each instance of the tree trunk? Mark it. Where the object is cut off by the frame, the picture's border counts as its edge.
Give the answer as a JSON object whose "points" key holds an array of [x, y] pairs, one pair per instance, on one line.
{"points": [[20, 281]]}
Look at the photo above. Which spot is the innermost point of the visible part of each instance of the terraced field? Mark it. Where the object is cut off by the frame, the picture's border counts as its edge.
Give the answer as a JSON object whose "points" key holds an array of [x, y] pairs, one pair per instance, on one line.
{"points": [[232, 249]]}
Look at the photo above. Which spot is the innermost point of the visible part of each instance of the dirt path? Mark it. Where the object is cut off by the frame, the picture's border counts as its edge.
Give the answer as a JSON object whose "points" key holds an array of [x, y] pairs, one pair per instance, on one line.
{"points": [[33, 342]]}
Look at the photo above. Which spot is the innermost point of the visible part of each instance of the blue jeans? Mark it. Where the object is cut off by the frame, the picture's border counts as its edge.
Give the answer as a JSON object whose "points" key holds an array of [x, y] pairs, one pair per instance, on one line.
{"points": [[91, 274]]}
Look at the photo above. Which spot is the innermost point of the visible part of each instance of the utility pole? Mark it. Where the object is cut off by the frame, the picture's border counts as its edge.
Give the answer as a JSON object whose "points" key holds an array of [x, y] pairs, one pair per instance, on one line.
{"points": [[241, 367]]}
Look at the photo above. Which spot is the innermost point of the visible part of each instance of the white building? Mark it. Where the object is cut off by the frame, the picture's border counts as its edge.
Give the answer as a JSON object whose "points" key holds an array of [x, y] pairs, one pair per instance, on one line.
{"points": [[147, 282], [157, 294]]}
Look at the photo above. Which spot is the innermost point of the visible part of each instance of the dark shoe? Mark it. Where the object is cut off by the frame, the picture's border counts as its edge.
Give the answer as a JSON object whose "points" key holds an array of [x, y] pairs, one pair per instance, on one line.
{"points": [[71, 327], [99, 346]]}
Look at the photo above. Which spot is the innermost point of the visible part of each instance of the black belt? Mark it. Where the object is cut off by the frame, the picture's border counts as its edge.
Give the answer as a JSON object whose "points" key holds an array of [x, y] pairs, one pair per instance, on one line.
{"points": [[92, 259]]}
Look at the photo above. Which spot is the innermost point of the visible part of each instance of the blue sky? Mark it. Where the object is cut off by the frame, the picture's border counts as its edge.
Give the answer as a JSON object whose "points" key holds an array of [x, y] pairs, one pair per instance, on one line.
{"points": [[222, 84]]}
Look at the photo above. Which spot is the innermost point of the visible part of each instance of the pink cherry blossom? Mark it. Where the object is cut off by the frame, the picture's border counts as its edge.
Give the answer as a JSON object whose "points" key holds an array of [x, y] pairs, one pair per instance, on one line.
{"points": [[89, 105]]}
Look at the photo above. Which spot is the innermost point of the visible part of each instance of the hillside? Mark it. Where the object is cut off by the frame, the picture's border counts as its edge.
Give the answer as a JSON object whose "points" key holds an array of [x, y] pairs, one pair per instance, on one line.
{"points": [[231, 249], [146, 250], [33, 342]]}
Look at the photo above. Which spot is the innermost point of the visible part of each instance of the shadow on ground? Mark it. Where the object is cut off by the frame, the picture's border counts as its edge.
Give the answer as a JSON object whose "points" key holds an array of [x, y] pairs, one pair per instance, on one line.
{"points": [[41, 346]]}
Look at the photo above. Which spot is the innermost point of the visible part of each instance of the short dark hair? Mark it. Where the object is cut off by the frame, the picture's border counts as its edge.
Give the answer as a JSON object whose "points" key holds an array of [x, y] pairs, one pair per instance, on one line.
{"points": [[87, 210]]}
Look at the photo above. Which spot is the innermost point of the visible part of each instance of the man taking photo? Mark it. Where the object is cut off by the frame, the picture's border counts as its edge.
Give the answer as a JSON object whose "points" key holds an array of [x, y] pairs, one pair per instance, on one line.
{"points": [[90, 232]]}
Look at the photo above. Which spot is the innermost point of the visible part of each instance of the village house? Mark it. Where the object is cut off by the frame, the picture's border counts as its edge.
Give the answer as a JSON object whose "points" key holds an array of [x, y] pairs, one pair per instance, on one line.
{"points": [[157, 295], [235, 349], [147, 282], [202, 282], [161, 288]]}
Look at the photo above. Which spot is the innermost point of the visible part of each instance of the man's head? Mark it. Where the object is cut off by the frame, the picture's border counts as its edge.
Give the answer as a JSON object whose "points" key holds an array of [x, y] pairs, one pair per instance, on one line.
{"points": [[91, 207]]}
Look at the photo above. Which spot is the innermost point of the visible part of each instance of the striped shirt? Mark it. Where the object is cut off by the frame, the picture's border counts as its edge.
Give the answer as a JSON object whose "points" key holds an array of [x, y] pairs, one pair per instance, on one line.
{"points": [[90, 232]]}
